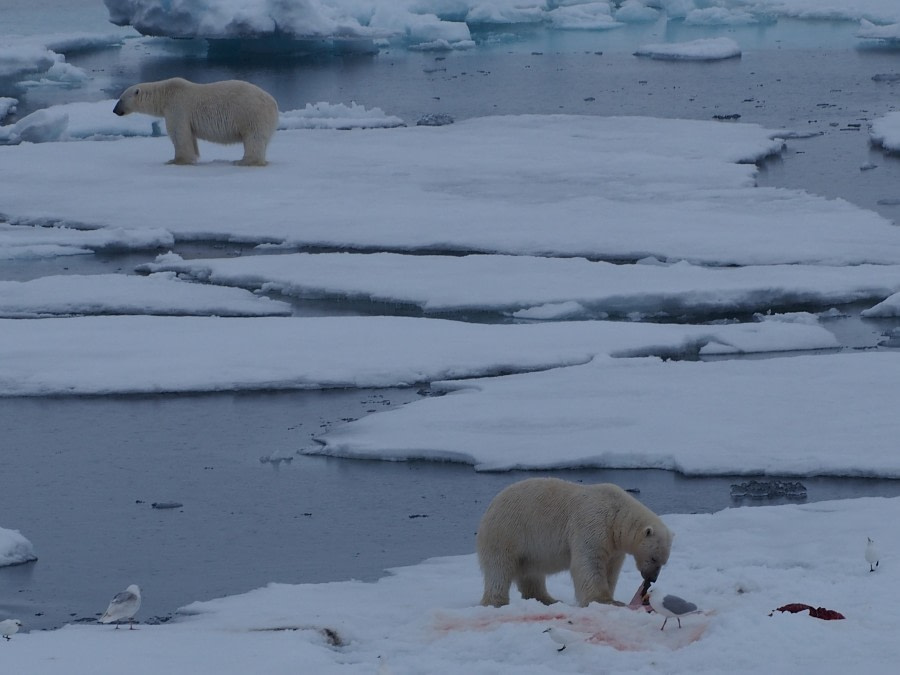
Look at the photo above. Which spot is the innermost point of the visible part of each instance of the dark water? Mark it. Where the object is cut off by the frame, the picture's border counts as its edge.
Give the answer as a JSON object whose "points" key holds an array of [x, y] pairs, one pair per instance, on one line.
{"points": [[78, 475]]}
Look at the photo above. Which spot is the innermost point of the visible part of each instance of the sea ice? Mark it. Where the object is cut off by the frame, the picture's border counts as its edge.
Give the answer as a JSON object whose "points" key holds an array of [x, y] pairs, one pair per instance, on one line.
{"points": [[704, 49], [154, 354], [826, 414], [885, 131], [161, 294], [619, 188], [15, 549], [513, 284]]}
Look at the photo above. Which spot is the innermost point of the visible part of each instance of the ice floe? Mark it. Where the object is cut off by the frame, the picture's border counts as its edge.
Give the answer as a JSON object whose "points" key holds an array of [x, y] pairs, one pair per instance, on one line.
{"points": [[619, 188], [804, 415]]}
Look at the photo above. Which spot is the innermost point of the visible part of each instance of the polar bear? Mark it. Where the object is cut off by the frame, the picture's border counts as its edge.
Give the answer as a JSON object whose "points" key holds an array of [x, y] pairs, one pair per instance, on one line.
{"points": [[541, 526], [231, 111]]}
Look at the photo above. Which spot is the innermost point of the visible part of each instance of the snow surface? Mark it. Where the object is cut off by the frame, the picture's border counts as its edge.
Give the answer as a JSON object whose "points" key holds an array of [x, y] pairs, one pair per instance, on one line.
{"points": [[15, 549], [803, 415], [704, 49], [425, 618], [612, 188], [161, 293], [514, 283], [885, 131], [146, 354]]}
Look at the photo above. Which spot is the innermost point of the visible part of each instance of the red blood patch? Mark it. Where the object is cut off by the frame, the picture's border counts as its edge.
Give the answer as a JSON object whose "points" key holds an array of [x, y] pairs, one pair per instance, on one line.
{"points": [[817, 612]]}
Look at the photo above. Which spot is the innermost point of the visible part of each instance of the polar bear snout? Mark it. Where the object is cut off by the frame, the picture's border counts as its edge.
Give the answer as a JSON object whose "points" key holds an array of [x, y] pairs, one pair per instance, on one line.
{"points": [[119, 109], [650, 574]]}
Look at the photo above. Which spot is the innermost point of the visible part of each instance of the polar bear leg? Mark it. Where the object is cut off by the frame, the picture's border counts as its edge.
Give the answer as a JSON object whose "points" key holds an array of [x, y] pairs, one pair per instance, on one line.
{"points": [[186, 151], [255, 145], [494, 596], [534, 586], [591, 579], [612, 571]]}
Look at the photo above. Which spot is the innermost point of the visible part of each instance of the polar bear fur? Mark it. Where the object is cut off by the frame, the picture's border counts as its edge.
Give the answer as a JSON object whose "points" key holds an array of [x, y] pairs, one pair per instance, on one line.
{"points": [[226, 112], [541, 526]]}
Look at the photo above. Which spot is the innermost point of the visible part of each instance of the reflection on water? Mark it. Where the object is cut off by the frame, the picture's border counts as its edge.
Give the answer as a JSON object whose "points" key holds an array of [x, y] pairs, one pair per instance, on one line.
{"points": [[80, 475]]}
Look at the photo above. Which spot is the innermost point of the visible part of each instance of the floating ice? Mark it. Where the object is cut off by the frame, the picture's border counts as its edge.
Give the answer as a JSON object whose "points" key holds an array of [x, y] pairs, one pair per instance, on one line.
{"points": [[889, 307], [146, 354], [885, 131], [589, 16], [41, 126], [40, 60], [797, 416], [515, 283], [160, 294], [704, 49], [720, 16], [22, 242], [870, 31], [15, 549], [628, 187], [7, 106], [337, 116], [635, 11]]}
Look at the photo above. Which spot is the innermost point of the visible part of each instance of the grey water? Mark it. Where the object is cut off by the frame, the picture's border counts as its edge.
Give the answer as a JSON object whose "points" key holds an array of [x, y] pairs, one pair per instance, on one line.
{"points": [[79, 475]]}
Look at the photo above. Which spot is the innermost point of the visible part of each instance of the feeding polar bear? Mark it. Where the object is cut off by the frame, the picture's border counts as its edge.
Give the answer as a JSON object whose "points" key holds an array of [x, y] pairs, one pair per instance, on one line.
{"points": [[541, 526], [225, 112]]}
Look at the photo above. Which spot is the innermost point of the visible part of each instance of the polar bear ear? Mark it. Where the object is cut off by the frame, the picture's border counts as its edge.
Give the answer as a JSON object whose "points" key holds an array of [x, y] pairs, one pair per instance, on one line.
{"points": [[648, 531]]}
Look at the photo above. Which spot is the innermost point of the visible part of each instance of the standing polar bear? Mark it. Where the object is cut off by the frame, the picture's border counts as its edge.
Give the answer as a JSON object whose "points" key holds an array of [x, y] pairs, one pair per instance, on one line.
{"points": [[541, 526], [226, 112]]}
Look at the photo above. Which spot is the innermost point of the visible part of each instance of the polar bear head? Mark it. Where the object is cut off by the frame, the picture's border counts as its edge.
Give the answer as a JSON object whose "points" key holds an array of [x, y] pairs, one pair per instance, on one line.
{"points": [[652, 550], [150, 98]]}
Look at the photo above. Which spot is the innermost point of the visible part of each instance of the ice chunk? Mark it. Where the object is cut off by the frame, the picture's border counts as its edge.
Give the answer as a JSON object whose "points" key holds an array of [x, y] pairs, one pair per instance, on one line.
{"points": [[590, 16], [337, 116], [635, 11], [704, 49], [15, 549], [7, 106], [40, 126], [885, 131], [889, 307], [870, 31], [159, 294]]}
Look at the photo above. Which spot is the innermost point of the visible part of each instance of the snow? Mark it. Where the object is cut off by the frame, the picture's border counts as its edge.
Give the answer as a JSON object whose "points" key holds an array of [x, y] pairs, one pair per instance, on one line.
{"points": [[704, 49], [644, 413], [15, 549], [885, 131], [155, 354], [490, 185], [159, 293], [425, 618], [511, 284]]}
